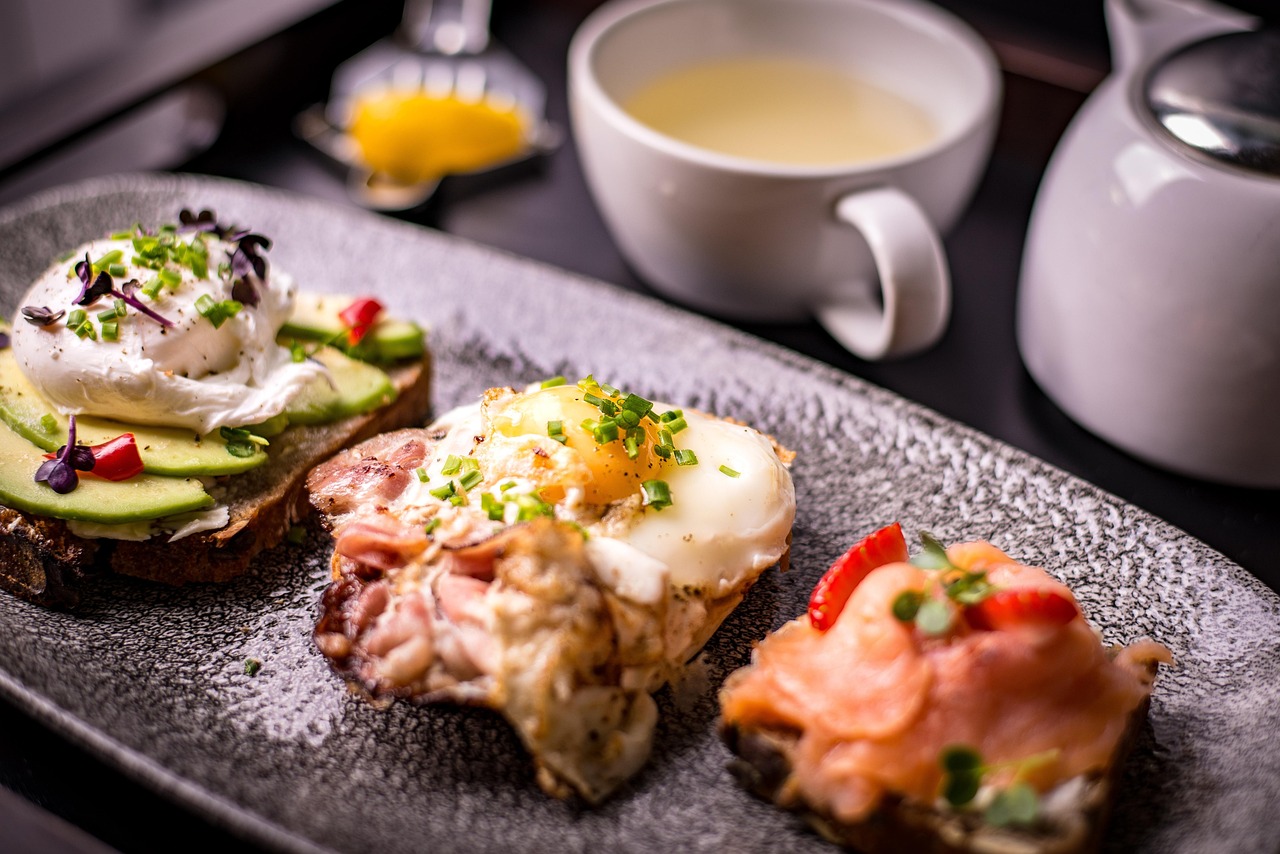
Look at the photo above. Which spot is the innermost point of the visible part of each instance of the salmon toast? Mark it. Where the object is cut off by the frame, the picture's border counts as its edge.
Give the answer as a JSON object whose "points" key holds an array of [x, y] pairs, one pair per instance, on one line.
{"points": [[958, 701]]}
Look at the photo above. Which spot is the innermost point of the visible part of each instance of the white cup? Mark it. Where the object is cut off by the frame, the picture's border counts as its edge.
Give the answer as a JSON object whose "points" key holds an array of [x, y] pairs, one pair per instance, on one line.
{"points": [[755, 239]]}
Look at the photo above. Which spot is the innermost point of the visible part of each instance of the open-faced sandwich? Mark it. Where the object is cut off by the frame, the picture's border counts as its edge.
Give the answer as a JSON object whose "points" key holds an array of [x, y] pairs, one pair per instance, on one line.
{"points": [[164, 395], [555, 554], [958, 702]]}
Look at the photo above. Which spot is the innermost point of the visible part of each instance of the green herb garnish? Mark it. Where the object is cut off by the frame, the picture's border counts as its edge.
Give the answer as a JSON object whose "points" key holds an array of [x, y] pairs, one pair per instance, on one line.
{"points": [[217, 312], [656, 494], [730, 472], [963, 770]]}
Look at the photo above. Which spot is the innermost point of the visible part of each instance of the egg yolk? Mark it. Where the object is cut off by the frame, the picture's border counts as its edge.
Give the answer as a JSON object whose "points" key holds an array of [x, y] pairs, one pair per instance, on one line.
{"points": [[614, 475], [413, 137]]}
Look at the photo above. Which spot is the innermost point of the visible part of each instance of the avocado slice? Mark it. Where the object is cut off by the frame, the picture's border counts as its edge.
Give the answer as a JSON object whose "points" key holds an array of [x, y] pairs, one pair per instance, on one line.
{"points": [[164, 450], [315, 318], [137, 499], [352, 388]]}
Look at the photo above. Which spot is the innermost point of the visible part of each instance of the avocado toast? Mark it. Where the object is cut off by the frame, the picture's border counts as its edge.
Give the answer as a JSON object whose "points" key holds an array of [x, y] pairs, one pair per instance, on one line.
{"points": [[217, 384]]}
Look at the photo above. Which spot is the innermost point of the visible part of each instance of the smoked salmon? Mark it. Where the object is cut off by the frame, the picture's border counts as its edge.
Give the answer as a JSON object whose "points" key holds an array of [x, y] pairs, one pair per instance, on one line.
{"points": [[952, 681]]}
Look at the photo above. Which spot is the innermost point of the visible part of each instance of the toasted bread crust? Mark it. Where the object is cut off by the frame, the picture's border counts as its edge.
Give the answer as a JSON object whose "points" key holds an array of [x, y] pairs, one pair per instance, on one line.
{"points": [[42, 561], [763, 767]]}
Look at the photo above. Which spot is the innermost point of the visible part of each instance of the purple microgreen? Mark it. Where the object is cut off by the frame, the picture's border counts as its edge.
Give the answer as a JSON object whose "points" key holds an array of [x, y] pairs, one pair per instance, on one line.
{"points": [[203, 221], [246, 259], [126, 293], [243, 292], [60, 472], [4, 340], [91, 287], [41, 315]]}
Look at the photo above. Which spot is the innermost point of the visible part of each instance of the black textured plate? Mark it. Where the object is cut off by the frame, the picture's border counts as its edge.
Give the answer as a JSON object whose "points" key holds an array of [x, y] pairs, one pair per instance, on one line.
{"points": [[154, 679]]}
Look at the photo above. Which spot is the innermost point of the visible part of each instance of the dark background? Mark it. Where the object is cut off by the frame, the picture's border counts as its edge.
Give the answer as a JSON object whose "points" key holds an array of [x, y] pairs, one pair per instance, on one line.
{"points": [[1052, 54]]}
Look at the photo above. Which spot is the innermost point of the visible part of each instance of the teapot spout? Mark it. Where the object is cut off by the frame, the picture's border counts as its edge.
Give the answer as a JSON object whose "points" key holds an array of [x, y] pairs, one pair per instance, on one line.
{"points": [[1143, 29]]}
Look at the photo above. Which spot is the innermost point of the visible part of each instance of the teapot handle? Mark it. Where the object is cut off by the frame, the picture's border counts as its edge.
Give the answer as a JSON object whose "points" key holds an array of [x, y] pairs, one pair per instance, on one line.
{"points": [[1143, 29]]}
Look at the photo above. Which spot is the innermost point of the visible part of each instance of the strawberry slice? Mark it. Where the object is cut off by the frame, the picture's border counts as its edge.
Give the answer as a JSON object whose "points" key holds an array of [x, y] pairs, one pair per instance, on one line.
{"points": [[837, 584], [1020, 608]]}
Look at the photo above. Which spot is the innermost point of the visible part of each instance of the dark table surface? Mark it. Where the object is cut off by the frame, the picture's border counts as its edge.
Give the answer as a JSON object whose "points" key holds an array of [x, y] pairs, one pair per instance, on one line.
{"points": [[543, 211]]}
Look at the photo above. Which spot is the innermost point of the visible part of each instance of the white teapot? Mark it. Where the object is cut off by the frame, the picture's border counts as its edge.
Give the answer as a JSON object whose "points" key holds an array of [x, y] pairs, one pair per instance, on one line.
{"points": [[1149, 302]]}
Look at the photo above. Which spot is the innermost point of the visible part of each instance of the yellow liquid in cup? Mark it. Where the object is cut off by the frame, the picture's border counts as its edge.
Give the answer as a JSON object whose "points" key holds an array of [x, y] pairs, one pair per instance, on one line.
{"points": [[781, 110]]}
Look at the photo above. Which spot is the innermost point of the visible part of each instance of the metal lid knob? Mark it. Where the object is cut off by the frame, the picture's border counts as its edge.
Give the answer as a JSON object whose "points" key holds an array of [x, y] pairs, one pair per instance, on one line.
{"points": [[1221, 97]]}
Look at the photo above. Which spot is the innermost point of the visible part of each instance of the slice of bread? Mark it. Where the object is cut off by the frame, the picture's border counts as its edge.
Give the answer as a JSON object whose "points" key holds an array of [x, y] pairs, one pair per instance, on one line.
{"points": [[42, 561], [1073, 816]]}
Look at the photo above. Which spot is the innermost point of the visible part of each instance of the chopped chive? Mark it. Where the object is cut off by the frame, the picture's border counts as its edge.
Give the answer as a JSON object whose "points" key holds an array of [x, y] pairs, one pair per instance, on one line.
{"points": [[730, 472], [632, 446], [657, 494], [609, 408], [609, 390], [76, 317], [685, 457], [606, 432], [470, 479], [627, 418], [252, 666], [122, 307], [110, 330], [492, 506], [107, 260], [458, 499], [663, 451], [104, 316], [508, 486], [452, 465], [637, 404], [530, 507], [421, 472], [217, 312], [443, 492], [594, 400], [675, 425], [672, 414], [665, 438], [555, 429], [553, 382], [172, 278], [48, 423], [152, 287], [431, 526]]}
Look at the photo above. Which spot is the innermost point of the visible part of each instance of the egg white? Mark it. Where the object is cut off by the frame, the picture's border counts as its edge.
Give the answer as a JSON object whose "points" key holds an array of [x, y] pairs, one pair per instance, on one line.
{"points": [[719, 531], [189, 375]]}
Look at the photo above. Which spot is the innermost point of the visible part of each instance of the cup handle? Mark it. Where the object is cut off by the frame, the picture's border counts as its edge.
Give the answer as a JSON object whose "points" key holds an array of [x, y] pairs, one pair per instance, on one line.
{"points": [[914, 282]]}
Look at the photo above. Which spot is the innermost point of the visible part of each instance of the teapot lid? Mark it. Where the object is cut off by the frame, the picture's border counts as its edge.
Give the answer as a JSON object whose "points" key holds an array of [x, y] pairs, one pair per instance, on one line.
{"points": [[1221, 97]]}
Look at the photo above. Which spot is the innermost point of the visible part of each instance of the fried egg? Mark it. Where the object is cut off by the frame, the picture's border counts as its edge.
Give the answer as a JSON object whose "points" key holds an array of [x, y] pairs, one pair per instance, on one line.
{"points": [[669, 497], [192, 373]]}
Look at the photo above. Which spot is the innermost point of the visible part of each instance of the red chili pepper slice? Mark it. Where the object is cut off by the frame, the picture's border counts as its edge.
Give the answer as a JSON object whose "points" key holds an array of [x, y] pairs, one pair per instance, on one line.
{"points": [[1021, 607], [114, 459], [833, 590], [358, 318]]}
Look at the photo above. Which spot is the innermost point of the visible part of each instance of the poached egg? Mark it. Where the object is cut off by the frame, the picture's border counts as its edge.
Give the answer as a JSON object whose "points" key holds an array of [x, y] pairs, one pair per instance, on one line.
{"points": [[194, 373]]}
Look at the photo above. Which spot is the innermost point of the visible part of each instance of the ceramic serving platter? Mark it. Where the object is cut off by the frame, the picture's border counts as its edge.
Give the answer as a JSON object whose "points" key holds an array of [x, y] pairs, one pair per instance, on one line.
{"points": [[153, 679]]}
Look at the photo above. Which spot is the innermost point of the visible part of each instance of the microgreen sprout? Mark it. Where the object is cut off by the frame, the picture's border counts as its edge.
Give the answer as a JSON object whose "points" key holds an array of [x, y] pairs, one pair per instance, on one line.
{"points": [[934, 615], [92, 288], [41, 315], [240, 442], [60, 472], [1017, 803]]}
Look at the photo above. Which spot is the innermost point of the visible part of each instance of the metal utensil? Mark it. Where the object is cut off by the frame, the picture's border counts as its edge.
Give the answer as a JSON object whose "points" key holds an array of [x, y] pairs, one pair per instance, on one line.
{"points": [[442, 48]]}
